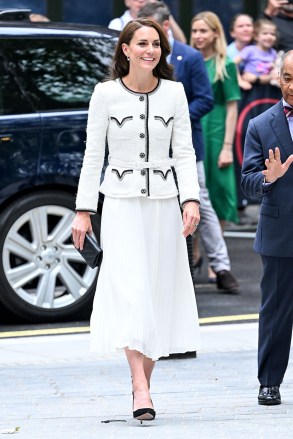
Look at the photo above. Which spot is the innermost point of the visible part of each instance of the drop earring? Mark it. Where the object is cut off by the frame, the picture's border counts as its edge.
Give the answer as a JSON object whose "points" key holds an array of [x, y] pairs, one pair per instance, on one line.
{"points": [[127, 58]]}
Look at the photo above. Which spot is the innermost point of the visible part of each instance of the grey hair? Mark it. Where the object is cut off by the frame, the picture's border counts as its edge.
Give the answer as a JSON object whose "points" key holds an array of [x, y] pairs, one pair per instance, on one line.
{"points": [[282, 61], [159, 11]]}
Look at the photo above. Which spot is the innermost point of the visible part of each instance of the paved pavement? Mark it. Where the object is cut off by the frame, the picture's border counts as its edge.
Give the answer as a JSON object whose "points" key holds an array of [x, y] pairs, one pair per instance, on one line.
{"points": [[53, 388]]}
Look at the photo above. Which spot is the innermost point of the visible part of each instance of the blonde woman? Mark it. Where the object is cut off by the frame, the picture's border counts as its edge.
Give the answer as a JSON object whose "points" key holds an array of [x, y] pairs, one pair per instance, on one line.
{"points": [[219, 125]]}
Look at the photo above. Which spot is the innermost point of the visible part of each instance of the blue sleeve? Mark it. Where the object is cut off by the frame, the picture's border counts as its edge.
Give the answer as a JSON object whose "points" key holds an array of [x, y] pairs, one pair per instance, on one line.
{"points": [[202, 96], [252, 178]]}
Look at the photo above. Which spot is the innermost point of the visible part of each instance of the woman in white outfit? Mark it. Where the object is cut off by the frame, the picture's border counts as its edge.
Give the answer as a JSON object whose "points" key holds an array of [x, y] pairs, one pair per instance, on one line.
{"points": [[144, 301]]}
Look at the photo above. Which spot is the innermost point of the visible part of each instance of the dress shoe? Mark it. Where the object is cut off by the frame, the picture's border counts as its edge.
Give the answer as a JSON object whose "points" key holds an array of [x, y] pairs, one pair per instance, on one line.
{"points": [[269, 395], [143, 414], [226, 282]]}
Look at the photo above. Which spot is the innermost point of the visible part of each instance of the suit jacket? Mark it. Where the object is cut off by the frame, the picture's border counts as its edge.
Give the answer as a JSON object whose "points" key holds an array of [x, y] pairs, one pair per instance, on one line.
{"points": [[139, 128], [191, 71], [275, 228]]}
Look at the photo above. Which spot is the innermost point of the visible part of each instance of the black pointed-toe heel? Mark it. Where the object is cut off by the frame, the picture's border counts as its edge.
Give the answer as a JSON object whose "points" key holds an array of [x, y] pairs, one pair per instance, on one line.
{"points": [[144, 414]]}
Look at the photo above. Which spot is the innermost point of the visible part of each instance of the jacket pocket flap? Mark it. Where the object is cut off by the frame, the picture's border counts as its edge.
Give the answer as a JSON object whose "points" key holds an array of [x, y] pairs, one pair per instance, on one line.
{"points": [[269, 210]]}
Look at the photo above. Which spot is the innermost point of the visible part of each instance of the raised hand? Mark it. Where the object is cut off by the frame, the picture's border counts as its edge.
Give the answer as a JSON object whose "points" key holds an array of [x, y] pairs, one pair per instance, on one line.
{"points": [[275, 168], [273, 7]]}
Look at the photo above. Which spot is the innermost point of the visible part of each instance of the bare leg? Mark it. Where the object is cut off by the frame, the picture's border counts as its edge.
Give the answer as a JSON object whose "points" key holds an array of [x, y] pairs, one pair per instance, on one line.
{"points": [[148, 366], [140, 384], [211, 274]]}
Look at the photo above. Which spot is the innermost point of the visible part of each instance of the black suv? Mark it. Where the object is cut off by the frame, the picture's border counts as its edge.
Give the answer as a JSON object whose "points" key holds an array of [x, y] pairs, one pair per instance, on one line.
{"points": [[48, 73]]}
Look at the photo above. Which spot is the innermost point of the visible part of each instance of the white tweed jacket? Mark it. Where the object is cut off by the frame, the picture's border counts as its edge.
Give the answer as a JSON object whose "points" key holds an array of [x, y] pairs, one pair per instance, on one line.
{"points": [[139, 129]]}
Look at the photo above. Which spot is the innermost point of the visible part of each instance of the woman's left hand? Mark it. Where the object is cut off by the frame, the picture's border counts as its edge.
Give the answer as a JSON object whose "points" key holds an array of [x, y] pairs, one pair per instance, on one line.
{"points": [[225, 158], [191, 218]]}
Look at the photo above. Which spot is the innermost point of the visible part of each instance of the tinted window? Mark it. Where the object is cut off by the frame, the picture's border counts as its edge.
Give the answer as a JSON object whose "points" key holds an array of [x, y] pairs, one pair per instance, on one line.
{"points": [[60, 73], [12, 100]]}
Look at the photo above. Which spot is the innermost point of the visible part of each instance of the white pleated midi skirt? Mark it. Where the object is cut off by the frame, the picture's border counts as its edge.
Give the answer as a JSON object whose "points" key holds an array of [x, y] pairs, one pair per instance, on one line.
{"points": [[145, 296]]}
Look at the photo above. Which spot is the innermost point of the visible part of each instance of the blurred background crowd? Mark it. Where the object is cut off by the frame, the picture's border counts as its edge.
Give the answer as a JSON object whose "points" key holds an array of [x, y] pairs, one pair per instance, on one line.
{"points": [[241, 43]]}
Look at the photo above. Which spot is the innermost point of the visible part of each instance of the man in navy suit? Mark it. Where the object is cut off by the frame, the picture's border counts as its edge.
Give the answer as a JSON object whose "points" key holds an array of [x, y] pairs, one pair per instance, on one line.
{"points": [[267, 173], [190, 70]]}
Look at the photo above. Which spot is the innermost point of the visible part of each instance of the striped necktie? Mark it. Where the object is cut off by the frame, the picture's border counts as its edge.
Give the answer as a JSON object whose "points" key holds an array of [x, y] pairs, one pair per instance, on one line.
{"points": [[288, 111]]}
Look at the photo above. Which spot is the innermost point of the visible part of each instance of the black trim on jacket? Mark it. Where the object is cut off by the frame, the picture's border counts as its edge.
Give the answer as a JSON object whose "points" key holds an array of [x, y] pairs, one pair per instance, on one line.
{"points": [[147, 144], [120, 124], [163, 120], [161, 173], [122, 175]]}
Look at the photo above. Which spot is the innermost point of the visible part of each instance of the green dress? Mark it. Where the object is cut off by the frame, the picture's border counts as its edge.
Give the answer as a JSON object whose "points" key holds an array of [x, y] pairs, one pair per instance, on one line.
{"points": [[221, 182]]}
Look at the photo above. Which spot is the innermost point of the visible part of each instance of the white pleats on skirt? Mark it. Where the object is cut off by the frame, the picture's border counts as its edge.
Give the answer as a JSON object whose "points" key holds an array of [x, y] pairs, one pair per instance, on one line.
{"points": [[145, 296]]}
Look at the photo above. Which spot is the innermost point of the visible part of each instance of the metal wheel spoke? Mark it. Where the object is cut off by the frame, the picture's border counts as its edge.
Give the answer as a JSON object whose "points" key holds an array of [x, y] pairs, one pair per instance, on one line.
{"points": [[19, 246], [71, 254], [40, 264], [39, 224], [62, 231], [19, 276], [75, 284], [45, 291]]}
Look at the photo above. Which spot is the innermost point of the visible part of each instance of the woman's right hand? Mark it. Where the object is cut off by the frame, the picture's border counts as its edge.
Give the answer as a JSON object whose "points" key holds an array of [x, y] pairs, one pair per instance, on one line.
{"points": [[81, 225]]}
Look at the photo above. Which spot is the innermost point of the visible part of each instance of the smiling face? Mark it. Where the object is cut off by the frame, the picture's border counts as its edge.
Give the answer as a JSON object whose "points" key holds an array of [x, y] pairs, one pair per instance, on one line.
{"points": [[266, 36], [202, 36], [286, 79], [144, 50], [242, 29]]}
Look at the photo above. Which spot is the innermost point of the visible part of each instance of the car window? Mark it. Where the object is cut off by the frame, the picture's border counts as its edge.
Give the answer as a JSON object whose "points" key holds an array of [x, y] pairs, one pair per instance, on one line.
{"points": [[12, 100], [59, 73]]}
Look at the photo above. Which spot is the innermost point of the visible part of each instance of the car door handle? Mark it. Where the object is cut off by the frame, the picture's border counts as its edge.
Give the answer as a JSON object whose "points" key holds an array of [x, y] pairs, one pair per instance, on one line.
{"points": [[6, 138]]}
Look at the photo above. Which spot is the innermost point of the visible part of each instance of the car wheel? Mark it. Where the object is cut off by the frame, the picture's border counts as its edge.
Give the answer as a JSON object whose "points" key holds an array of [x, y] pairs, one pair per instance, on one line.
{"points": [[43, 278]]}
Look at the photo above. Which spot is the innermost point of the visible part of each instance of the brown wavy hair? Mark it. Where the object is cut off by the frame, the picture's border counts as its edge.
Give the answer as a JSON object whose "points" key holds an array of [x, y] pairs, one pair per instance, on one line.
{"points": [[120, 65]]}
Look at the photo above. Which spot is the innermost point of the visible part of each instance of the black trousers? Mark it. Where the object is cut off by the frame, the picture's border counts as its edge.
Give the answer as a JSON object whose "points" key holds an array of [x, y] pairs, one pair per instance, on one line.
{"points": [[275, 319]]}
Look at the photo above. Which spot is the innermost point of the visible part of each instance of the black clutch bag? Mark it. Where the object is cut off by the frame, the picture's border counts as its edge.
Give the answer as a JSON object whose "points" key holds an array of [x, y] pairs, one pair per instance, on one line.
{"points": [[91, 252]]}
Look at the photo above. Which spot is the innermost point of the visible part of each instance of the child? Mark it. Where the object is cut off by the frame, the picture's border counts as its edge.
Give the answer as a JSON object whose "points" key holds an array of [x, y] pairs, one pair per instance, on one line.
{"points": [[258, 59]]}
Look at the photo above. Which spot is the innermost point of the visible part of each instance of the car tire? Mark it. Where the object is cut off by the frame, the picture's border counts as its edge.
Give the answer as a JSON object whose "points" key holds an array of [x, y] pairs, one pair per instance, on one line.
{"points": [[42, 277]]}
